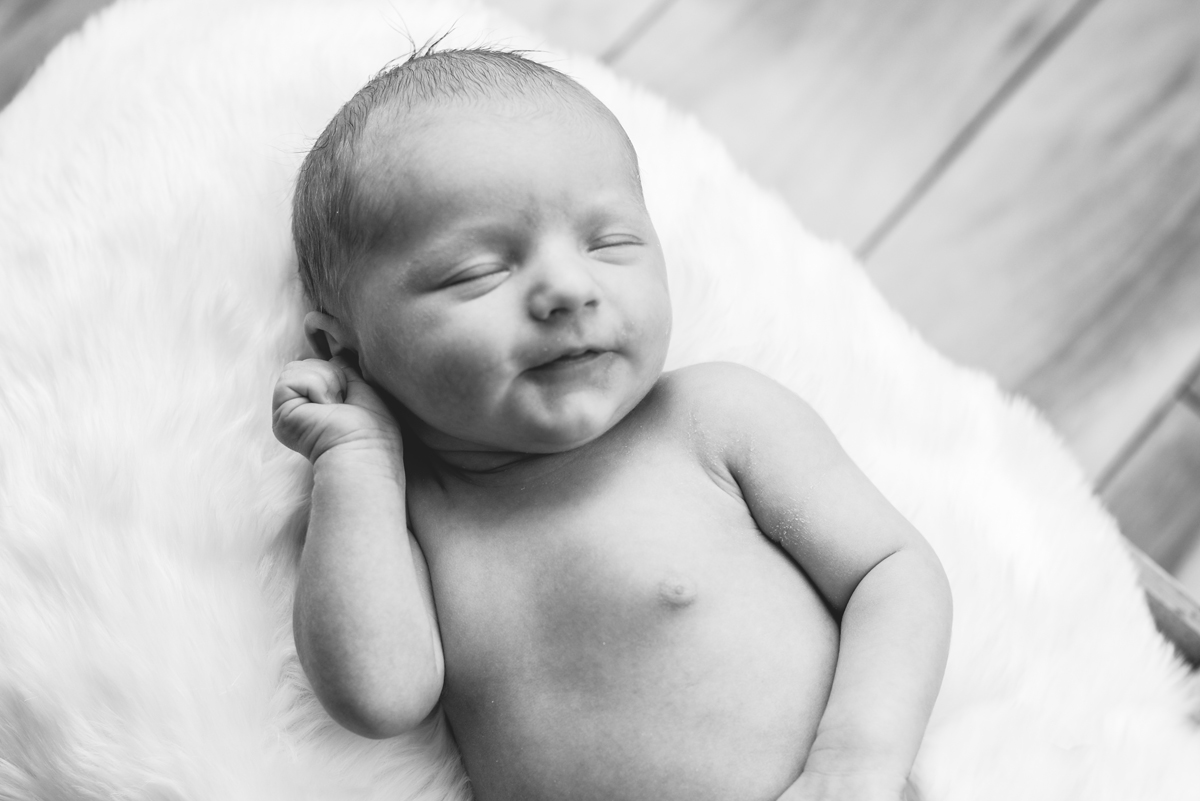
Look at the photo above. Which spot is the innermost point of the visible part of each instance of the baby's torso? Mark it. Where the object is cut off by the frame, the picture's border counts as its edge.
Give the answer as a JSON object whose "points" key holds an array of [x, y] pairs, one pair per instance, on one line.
{"points": [[620, 630]]}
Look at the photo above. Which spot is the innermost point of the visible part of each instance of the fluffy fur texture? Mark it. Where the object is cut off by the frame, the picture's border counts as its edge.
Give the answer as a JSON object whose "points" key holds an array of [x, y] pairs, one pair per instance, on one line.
{"points": [[149, 522]]}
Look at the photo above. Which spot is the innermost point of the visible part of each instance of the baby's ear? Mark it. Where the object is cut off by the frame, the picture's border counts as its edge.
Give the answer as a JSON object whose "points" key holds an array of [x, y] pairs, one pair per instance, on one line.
{"points": [[328, 337]]}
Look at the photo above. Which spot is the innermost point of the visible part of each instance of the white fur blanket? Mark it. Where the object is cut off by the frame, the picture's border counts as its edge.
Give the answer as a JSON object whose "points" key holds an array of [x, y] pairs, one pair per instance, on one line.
{"points": [[149, 522]]}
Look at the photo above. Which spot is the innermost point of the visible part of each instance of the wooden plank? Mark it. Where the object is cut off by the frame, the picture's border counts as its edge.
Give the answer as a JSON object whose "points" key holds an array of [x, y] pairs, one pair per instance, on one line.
{"points": [[1062, 251], [841, 105], [29, 29], [1176, 612], [1187, 572], [1156, 494], [594, 27]]}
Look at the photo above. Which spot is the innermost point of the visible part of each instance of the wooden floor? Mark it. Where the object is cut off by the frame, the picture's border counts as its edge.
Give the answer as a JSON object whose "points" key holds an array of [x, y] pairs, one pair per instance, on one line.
{"points": [[1021, 177]]}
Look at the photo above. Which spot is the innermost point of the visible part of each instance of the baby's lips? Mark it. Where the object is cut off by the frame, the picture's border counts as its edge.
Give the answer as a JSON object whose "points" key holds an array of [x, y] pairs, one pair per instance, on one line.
{"points": [[550, 355]]}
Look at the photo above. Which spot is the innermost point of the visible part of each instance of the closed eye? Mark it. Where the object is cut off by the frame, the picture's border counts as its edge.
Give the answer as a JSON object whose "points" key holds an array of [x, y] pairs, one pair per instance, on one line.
{"points": [[492, 271], [614, 241]]}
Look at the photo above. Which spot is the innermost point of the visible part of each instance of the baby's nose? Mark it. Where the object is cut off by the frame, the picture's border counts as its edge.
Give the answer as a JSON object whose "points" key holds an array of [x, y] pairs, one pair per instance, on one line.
{"points": [[562, 286]]}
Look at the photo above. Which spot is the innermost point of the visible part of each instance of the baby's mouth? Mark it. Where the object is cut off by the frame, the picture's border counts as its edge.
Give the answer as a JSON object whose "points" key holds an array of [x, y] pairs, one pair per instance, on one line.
{"points": [[570, 358]]}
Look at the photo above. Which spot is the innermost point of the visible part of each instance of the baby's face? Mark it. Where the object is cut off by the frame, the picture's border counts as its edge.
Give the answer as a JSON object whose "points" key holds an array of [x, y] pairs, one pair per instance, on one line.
{"points": [[519, 302]]}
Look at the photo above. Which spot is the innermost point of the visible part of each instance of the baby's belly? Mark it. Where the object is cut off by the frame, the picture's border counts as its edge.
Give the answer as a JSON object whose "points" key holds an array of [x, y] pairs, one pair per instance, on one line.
{"points": [[684, 662]]}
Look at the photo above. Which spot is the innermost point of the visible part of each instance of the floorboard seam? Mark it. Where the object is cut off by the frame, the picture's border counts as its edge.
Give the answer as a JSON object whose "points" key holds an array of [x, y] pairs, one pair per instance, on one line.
{"points": [[635, 32], [1190, 399], [975, 125], [1183, 394]]}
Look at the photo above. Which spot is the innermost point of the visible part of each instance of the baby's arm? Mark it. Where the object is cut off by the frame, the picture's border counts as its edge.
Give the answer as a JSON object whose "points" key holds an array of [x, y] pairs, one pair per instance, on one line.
{"points": [[872, 567], [363, 616]]}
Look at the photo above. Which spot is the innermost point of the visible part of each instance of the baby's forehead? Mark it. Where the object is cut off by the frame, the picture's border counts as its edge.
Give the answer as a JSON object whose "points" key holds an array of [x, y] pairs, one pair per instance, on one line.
{"points": [[395, 140], [401, 128]]}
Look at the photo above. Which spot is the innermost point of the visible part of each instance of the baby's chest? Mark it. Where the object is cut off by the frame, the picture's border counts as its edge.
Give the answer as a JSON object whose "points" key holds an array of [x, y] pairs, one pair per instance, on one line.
{"points": [[599, 580], [643, 535]]}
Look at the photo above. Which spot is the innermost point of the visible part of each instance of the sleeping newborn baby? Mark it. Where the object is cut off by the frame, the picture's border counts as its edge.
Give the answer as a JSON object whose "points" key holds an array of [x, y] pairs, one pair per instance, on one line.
{"points": [[621, 584]]}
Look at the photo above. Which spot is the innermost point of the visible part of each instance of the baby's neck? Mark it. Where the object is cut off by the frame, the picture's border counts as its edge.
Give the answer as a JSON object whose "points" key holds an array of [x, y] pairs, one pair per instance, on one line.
{"points": [[498, 469], [470, 461], [480, 464]]}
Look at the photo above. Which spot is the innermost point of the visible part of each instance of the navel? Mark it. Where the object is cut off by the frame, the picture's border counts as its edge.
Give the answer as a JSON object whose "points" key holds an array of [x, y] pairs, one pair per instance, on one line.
{"points": [[676, 590]]}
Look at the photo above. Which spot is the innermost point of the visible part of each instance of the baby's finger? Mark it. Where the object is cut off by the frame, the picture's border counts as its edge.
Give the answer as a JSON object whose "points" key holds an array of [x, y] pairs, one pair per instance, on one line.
{"points": [[355, 385], [334, 382], [343, 373], [358, 391], [314, 379], [349, 371]]}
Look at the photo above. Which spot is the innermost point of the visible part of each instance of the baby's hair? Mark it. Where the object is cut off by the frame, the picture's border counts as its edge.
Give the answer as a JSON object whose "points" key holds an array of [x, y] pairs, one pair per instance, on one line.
{"points": [[329, 207]]}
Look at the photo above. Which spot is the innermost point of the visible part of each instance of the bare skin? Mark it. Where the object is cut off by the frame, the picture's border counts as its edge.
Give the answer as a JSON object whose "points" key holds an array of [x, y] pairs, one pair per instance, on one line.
{"points": [[614, 617], [620, 584]]}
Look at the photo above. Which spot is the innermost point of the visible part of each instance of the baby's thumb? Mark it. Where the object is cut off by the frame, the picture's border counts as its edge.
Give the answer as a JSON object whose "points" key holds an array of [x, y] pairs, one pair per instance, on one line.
{"points": [[348, 367], [358, 391]]}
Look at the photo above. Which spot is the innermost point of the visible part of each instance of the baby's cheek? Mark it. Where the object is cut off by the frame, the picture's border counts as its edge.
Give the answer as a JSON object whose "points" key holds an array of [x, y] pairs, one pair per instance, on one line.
{"points": [[461, 382], [648, 322]]}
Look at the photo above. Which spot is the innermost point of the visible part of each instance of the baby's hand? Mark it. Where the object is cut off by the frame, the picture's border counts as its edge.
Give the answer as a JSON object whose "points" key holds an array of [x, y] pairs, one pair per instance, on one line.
{"points": [[320, 406]]}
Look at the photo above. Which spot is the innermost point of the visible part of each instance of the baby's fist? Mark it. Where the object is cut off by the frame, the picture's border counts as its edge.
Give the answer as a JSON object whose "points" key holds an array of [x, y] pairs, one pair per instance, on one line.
{"points": [[321, 406]]}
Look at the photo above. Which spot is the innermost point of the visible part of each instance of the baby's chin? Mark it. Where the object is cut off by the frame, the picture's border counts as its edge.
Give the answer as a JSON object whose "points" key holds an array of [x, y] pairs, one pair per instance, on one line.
{"points": [[559, 439], [534, 428], [525, 437], [558, 433]]}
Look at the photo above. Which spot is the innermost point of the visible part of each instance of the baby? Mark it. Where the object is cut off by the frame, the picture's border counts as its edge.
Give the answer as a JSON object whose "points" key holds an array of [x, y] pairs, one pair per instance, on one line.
{"points": [[621, 584]]}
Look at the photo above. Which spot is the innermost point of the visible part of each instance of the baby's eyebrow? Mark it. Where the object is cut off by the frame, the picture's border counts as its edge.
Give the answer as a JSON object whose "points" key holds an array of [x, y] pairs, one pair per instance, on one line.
{"points": [[455, 239], [445, 249], [614, 208], [465, 235]]}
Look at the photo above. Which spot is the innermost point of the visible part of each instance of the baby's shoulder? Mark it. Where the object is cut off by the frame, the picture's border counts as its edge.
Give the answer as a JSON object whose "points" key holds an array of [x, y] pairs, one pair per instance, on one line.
{"points": [[733, 418], [721, 387], [723, 400], [713, 376]]}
